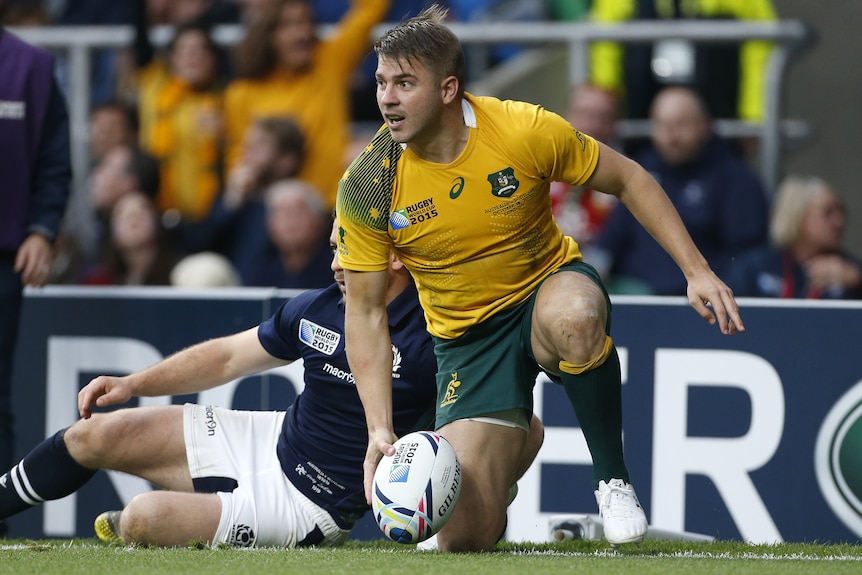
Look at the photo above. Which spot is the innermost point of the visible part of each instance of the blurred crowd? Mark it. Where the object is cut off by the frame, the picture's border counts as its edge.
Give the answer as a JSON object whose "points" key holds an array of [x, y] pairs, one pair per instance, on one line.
{"points": [[225, 160], [222, 160]]}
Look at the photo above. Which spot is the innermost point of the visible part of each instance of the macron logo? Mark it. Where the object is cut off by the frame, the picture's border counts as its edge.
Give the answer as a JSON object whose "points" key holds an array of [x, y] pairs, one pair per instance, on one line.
{"points": [[10, 110]]}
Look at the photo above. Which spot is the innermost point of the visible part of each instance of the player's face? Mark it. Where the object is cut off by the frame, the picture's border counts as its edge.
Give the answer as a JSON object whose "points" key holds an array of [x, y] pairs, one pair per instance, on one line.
{"points": [[337, 270], [409, 98]]}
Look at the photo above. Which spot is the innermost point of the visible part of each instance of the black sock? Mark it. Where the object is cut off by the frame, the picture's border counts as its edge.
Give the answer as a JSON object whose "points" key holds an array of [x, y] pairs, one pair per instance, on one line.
{"points": [[596, 396], [48, 472]]}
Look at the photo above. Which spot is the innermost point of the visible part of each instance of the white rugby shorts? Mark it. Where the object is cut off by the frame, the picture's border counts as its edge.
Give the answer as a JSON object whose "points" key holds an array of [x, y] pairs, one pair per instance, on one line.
{"points": [[265, 510]]}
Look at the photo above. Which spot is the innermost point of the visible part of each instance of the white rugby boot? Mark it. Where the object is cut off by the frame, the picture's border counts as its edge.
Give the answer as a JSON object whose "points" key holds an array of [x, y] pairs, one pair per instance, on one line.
{"points": [[623, 518]]}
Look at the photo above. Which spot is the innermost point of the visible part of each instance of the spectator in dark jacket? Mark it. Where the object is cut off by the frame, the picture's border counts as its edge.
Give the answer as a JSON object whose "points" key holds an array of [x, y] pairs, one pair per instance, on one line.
{"points": [[719, 197]]}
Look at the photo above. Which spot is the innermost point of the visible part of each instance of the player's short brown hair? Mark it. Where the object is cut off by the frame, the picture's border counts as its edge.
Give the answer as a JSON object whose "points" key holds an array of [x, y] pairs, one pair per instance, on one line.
{"points": [[426, 40]]}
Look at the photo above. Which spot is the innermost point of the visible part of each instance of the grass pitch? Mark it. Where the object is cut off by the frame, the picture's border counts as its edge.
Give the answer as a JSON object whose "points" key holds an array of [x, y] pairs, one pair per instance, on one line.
{"points": [[92, 557]]}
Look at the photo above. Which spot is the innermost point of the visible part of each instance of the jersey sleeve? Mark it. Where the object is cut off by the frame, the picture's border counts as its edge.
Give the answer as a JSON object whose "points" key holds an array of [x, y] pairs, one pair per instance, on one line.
{"points": [[278, 334], [363, 205], [559, 152]]}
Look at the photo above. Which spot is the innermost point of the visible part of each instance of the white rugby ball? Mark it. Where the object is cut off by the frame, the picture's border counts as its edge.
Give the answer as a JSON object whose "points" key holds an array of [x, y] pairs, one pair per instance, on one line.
{"points": [[415, 490]]}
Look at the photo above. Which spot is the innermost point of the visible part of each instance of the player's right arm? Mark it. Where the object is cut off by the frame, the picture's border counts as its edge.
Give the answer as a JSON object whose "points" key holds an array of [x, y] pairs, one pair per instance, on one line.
{"points": [[647, 201], [369, 353], [194, 369]]}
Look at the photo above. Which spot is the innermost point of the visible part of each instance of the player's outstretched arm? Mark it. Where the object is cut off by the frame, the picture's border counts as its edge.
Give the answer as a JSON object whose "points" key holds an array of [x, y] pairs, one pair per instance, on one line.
{"points": [[647, 201], [369, 353], [194, 369]]}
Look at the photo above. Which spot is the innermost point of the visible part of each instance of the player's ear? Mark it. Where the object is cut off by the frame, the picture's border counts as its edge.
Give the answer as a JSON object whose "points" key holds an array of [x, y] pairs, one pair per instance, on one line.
{"points": [[395, 263], [449, 89]]}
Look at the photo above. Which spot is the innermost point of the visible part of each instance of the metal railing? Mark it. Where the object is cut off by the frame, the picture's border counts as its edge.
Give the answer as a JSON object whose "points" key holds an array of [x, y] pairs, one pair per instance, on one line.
{"points": [[788, 37]]}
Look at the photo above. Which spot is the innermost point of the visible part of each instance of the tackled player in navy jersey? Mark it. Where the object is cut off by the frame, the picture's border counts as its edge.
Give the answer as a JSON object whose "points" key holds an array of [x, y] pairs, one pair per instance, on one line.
{"points": [[240, 478]]}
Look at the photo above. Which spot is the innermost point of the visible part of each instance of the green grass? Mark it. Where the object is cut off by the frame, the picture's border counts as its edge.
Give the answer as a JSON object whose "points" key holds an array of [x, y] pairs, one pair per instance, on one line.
{"points": [[92, 557]]}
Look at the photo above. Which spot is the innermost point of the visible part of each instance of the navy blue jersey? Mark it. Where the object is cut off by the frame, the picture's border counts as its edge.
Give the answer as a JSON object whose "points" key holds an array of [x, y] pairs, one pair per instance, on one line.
{"points": [[324, 438]]}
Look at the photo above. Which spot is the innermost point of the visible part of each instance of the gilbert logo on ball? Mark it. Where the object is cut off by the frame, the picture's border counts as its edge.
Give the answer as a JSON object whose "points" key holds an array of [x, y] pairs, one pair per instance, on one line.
{"points": [[416, 489]]}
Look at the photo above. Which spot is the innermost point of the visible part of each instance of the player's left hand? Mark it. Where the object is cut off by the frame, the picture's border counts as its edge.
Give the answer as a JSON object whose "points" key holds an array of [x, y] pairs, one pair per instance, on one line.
{"points": [[379, 444], [714, 301], [103, 391]]}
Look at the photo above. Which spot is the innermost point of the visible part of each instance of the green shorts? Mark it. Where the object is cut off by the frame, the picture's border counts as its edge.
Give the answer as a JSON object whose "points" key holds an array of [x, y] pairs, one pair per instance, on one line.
{"points": [[491, 367]]}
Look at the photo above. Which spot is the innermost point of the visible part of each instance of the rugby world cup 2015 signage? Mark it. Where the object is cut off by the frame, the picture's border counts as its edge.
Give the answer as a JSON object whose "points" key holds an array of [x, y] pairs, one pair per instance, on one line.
{"points": [[755, 437]]}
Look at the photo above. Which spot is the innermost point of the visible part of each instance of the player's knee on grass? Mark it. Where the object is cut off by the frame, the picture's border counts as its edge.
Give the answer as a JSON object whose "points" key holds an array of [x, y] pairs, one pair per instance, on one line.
{"points": [[138, 520], [149, 520], [476, 523]]}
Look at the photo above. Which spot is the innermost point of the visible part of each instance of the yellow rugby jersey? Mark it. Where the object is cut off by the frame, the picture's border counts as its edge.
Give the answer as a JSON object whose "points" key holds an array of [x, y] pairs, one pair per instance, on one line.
{"points": [[478, 234]]}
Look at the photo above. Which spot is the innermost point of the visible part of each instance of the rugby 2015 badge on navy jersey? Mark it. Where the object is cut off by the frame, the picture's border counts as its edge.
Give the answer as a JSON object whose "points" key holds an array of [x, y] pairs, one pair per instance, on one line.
{"points": [[318, 337]]}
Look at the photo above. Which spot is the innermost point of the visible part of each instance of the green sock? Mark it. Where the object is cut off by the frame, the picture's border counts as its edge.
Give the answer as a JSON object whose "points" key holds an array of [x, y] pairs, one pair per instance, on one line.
{"points": [[596, 396]]}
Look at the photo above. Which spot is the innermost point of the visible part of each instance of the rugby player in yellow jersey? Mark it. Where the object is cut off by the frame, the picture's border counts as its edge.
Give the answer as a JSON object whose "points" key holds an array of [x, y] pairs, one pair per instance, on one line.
{"points": [[458, 187]]}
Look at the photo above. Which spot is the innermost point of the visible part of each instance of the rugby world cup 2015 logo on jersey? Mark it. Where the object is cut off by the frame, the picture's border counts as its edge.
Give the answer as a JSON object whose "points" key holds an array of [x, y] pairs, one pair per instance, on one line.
{"points": [[837, 460], [413, 214], [318, 337]]}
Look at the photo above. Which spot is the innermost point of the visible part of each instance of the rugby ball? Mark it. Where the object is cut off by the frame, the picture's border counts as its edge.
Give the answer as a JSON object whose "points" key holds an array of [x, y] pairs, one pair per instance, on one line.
{"points": [[416, 489]]}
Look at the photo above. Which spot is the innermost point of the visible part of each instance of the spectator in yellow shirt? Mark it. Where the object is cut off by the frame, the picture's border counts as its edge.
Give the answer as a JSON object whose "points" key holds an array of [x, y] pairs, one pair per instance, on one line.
{"points": [[180, 106], [283, 68]]}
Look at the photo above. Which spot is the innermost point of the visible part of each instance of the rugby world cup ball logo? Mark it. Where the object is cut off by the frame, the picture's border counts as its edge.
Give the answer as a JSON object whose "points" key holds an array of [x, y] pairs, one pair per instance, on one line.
{"points": [[838, 459]]}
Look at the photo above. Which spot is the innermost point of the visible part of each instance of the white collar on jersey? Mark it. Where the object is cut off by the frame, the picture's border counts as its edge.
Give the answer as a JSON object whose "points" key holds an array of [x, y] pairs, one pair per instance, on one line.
{"points": [[469, 113]]}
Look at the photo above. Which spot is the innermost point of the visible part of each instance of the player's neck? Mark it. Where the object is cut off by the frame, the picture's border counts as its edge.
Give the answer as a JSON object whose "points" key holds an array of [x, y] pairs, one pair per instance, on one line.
{"points": [[445, 143]]}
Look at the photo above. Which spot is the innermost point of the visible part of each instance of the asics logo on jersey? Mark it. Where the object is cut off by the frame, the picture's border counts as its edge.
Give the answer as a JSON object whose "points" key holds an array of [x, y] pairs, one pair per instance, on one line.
{"points": [[318, 337], [3, 480], [457, 188], [451, 391], [503, 183]]}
